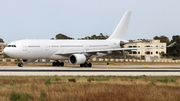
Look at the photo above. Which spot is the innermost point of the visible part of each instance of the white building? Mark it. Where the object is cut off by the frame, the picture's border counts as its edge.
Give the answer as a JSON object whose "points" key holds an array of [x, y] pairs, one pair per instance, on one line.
{"points": [[148, 54]]}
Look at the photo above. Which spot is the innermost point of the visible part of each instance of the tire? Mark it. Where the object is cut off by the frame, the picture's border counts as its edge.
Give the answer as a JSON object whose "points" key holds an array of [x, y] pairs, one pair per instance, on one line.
{"points": [[81, 65], [58, 63], [85, 65], [20, 65], [62, 64], [89, 65], [54, 63]]}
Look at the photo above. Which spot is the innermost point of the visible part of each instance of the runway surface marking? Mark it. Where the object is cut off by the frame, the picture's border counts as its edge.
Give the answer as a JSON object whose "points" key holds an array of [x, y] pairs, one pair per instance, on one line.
{"points": [[77, 71]]}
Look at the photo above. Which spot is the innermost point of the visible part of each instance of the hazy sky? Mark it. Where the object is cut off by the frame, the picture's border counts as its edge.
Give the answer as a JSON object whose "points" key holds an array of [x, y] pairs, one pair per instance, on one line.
{"points": [[44, 19]]}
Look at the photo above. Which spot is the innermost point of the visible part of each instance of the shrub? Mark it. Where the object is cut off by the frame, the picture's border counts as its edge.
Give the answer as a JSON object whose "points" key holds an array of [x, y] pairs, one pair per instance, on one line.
{"points": [[153, 83], [42, 94], [19, 97], [47, 82], [15, 96], [173, 80], [166, 80], [57, 79]]}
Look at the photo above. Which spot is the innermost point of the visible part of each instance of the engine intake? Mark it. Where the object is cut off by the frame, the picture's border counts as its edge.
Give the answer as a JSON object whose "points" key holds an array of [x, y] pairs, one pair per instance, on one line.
{"points": [[77, 59]]}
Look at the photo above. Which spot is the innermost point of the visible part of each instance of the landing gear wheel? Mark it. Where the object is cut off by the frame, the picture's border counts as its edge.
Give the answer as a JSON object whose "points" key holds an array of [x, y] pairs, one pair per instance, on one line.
{"points": [[58, 63], [62, 64], [54, 64], [20, 65], [85, 65], [89, 65], [81, 65]]}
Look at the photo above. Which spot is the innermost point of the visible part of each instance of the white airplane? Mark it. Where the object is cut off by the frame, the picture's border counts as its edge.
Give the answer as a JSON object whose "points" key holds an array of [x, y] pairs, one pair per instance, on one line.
{"points": [[76, 51]]}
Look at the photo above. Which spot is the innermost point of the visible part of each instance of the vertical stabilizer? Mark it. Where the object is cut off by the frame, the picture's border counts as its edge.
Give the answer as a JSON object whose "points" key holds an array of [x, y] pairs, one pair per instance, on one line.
{"points": [[121, 29]]}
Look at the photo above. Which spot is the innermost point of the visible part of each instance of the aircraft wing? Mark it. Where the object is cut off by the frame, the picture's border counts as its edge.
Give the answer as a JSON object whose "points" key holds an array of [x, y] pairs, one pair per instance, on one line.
{"points": [[110, 49]]}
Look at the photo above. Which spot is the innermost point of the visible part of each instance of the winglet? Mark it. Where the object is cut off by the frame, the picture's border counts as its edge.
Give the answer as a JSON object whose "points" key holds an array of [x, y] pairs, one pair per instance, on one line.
{"points": [[171, 44]]}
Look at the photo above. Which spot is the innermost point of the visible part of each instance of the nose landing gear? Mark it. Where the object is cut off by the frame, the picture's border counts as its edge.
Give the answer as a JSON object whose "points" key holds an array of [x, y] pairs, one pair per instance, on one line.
{"points": [[20, 64]]}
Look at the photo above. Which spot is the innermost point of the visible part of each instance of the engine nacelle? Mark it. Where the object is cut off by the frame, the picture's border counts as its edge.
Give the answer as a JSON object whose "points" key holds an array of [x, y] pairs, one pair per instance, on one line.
{"points": [[77, 58], [28, 60]]}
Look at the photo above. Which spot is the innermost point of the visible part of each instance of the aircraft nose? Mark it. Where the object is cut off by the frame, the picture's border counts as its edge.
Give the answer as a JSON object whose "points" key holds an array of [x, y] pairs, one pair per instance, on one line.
{"points": [[5, 51], [8, 52]]}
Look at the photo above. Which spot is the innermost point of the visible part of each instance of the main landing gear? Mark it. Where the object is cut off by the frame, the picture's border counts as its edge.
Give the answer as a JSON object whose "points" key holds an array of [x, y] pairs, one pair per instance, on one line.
{"points": [[57, 63], [86, 65]]}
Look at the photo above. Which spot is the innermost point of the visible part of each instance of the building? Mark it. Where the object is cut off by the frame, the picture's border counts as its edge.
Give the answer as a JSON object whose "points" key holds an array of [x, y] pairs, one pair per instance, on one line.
{"points": [[148, 54], [2, 46]]}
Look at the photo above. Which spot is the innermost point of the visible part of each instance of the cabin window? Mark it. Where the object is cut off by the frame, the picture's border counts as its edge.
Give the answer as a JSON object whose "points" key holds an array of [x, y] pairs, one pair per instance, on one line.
{"points": [[11, 45]]}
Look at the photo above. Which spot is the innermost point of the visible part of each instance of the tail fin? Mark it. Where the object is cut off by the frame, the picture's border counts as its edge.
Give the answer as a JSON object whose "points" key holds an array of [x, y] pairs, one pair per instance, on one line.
{"points": [[121, 29]]}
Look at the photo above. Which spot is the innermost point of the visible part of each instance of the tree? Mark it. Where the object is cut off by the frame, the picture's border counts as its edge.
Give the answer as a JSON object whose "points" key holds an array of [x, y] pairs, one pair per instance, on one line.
{"points": [[100, 36], [162, 53], [1, 40], [162, 39], [62, 36], [175, 50]]}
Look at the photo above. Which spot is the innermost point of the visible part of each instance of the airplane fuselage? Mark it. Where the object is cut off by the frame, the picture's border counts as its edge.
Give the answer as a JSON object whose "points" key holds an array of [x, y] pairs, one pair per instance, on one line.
{"points": [[54, 49]]}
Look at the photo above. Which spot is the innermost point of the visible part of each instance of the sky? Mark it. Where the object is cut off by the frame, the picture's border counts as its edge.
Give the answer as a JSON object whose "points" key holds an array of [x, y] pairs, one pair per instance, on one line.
{"points": [[44, 19]]}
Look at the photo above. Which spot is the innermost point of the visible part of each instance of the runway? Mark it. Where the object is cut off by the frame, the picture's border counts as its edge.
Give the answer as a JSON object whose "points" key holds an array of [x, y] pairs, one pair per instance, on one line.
{"points": [[69, 71]]}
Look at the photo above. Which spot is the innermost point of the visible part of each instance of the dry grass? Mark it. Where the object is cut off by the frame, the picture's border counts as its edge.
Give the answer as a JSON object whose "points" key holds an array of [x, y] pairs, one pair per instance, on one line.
{"points": [[94, 88]]}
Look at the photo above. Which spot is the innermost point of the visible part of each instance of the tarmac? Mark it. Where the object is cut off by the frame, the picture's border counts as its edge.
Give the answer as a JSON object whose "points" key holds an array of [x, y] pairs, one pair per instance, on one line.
{"points": [[94, 71]]}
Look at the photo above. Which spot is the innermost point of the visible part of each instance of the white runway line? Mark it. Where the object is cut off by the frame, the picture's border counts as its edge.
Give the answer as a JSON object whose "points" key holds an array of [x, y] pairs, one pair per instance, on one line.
{"points": [[89, 73], [53, 73]]}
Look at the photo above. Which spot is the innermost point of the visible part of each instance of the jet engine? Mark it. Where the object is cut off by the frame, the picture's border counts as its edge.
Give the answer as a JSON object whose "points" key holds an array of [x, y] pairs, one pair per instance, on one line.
{"points": [[77, 59], [28, 60]]}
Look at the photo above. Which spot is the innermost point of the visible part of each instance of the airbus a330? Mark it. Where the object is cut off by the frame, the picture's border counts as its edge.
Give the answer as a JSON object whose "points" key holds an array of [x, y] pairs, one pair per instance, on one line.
{"points": [[76, 51]]}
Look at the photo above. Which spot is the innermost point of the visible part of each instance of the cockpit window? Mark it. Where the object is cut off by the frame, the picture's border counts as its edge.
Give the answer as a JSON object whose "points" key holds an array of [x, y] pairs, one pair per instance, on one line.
{"points": [[11, 45]]}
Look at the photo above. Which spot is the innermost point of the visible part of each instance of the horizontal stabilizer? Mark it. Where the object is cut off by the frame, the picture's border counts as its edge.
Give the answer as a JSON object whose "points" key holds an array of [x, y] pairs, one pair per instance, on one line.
{"points": [[171, 44]]}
